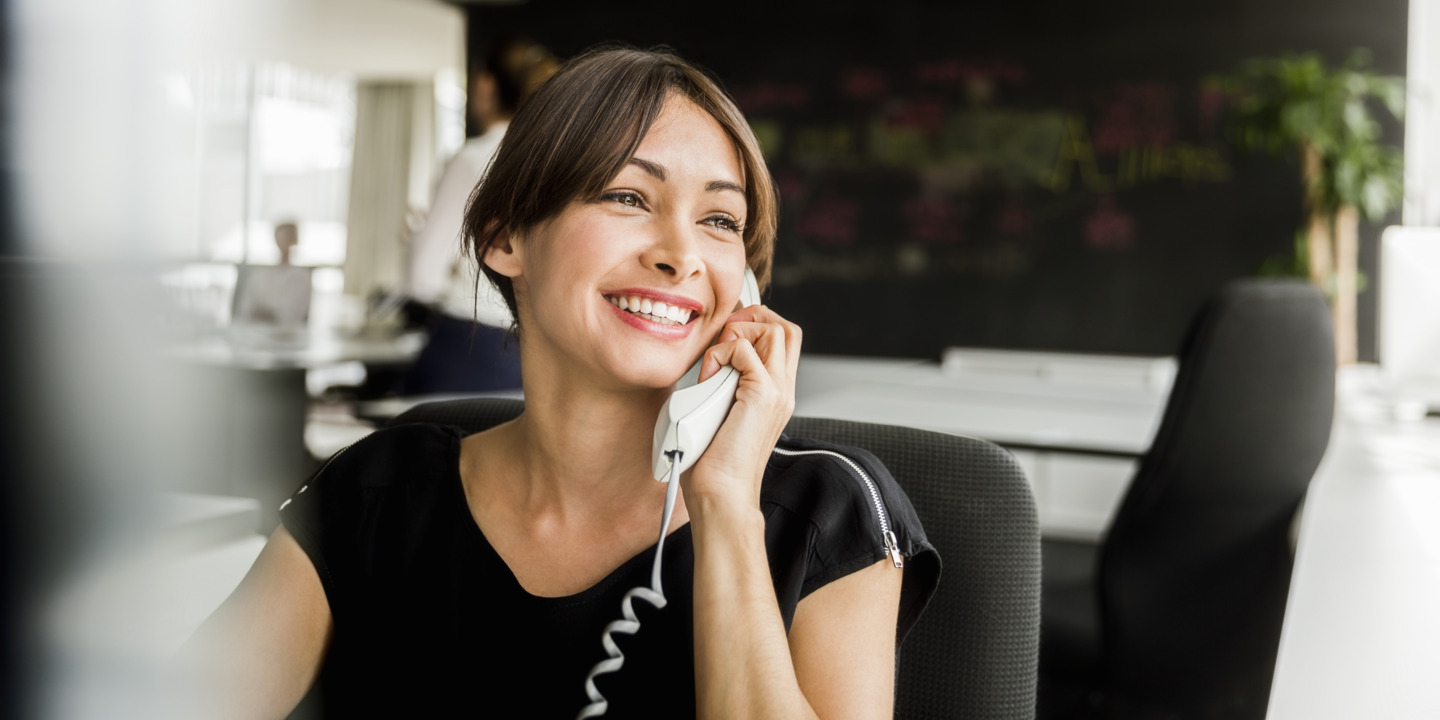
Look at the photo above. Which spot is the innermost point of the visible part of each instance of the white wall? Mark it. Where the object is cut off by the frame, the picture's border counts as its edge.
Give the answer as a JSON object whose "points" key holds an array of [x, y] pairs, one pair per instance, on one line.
{"points": [[1422, 116], [369, 39]]}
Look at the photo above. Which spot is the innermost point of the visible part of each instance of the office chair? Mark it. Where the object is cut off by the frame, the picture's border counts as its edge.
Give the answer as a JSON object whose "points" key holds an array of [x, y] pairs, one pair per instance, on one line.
{"points": [[973, 653], [1177, 613]]}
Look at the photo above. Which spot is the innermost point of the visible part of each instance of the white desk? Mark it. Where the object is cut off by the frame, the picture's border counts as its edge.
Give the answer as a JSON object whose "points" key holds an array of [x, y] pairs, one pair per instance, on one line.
{"points": [[1076, 423], [318, 350], [1362, 627], [249, 438], [1041, 400]]}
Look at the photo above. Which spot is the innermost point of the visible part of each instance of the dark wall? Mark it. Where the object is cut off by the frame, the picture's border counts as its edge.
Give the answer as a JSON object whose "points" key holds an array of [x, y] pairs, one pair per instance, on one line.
{"points": [[1037, 174]]}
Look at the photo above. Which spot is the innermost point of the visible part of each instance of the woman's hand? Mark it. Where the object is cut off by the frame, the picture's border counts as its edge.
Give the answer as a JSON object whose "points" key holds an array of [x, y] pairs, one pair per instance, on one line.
{"points": [[765, 349]]}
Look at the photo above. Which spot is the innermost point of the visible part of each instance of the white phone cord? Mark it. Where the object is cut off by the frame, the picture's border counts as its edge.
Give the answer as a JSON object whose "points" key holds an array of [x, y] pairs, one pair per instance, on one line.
{"points": [[630, 624]]}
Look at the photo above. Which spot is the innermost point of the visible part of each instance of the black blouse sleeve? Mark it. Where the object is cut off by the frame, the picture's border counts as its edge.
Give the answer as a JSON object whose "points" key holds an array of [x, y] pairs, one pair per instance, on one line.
{"points": [[832, 510], [353, 518]]}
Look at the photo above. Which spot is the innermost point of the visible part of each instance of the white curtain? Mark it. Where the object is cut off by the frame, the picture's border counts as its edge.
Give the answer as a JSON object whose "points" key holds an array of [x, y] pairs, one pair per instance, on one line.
{"points": [[391, 172]]}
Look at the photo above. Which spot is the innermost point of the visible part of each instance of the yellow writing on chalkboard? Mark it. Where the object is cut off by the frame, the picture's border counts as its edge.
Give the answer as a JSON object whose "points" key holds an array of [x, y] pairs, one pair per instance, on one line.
{"points": [[770, 135], [824, 143], [1076, 151], [1181, 161], [1135, 165], [899, 145], [1014, 145]]}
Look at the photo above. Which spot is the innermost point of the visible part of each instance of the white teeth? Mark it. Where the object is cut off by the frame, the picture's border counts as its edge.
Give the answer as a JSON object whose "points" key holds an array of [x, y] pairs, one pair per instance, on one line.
{"points": [[653, 310]]}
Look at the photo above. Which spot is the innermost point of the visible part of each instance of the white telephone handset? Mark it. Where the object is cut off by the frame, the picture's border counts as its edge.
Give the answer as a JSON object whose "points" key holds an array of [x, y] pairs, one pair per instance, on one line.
{"points": [[694, 412]]}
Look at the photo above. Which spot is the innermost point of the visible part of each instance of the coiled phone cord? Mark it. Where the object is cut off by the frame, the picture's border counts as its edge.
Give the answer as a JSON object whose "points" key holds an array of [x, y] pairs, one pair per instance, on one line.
{"points": [[630, 624]]}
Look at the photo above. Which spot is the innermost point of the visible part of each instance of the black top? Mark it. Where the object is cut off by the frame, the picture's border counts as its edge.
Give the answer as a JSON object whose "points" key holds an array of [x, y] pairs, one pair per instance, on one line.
{"points": [[430, 622]]}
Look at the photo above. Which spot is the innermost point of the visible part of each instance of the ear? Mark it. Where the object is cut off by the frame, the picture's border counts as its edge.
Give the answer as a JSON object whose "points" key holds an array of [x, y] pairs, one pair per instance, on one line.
{"points": [[504, 256]]}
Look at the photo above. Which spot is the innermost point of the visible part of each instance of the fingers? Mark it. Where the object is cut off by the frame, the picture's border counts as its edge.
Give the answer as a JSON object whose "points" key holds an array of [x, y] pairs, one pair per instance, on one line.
{"points": [[763, 327], [774, 340]]}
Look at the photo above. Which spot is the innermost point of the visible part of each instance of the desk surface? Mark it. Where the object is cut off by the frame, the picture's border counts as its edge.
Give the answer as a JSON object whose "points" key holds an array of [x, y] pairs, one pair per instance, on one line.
{"points": [[1025, 410], [1362, 628], [316, 350]]}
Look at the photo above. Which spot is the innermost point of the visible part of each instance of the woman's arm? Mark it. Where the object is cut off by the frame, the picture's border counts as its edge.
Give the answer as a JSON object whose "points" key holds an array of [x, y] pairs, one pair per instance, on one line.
{"points": [[843, 643], [259, 653], [839, 658], [838, 662]]}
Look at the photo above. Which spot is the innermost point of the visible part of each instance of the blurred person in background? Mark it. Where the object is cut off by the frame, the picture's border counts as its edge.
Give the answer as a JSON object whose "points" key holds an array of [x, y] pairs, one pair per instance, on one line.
{"points": [[469, 348], [276, 296]]}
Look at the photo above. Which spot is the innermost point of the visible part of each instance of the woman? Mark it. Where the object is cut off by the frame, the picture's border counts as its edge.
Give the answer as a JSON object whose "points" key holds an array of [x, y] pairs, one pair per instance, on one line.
{"points": [[429, 573]]}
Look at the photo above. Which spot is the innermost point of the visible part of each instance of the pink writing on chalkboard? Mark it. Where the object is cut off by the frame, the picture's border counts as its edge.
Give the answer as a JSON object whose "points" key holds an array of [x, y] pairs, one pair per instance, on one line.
{"points": [[1108, 228], [864, 84], [790, 186], [771, 96], [933, 221], [1211, 102], [1014, 218], [830, 222], [923, 114], [953, 73], [1139, 114]]}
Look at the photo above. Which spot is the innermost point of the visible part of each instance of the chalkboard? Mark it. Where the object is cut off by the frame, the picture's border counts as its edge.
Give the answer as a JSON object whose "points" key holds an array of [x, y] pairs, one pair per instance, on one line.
{"points": [[1036, 175]]}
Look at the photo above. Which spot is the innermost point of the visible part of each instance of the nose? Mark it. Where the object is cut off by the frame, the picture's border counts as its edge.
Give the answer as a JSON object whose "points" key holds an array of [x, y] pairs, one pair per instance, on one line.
{"points": [[674, 250]]}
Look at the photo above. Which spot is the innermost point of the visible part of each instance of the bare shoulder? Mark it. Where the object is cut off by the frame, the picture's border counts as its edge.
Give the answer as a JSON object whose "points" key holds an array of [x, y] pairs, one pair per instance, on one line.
{"points": [[261, 650]]}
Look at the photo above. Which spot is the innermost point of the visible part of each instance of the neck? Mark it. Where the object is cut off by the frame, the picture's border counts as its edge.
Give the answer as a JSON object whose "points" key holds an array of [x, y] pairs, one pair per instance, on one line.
{"points": [[582, 447]]}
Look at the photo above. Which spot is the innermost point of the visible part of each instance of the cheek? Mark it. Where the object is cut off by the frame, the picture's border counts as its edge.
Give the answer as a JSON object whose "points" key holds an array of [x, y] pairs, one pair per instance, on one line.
{"points": [[734, 279]]}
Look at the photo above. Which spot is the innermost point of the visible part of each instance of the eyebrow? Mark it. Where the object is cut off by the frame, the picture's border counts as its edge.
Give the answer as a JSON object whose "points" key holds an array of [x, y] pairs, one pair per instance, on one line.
{"points": [[657, 171], [717, 185]]}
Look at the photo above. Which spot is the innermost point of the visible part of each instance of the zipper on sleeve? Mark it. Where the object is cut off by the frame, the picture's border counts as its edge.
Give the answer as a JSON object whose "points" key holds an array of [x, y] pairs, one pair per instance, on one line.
{"points": [[892, 546], [318, 473]]}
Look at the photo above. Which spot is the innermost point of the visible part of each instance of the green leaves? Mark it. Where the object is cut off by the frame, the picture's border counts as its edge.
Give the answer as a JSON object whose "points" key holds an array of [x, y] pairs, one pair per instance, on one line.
{"points": [[1281, 105]]}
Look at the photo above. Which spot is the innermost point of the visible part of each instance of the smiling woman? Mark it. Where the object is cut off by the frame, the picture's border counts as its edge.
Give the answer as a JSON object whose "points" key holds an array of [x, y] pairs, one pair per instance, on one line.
{"points": [[424, 572]]}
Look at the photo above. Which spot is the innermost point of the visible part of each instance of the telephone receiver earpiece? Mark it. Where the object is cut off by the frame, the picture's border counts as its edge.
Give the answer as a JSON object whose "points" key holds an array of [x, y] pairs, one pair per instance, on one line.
{"points": [[694, 412]]}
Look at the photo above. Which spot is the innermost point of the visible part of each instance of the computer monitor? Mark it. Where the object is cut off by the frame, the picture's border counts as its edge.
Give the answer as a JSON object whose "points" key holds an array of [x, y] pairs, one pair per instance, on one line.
{"points": [[1409, 326], [271, 305]]}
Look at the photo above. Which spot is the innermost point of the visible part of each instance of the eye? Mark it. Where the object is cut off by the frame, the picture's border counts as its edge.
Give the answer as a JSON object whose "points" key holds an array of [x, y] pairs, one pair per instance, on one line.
{"points": [[628, 198], [724, 222]]}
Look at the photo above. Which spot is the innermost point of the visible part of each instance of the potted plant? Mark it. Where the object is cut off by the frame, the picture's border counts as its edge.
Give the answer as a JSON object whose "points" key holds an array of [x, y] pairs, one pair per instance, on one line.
{"points": [[1328, 118]]}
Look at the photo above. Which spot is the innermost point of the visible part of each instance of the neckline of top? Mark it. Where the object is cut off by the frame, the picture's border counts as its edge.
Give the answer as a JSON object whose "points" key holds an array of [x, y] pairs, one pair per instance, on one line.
{"points": [[637, 565]]}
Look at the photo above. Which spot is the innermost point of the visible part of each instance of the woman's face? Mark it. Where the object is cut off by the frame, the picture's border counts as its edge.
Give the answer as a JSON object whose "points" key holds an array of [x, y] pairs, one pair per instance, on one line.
{"points": [[632, 286]]}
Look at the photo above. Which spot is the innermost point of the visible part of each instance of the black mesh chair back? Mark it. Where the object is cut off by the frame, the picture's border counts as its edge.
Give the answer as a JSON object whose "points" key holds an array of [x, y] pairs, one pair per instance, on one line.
{"points": [[974, 653], [1195, 569]]}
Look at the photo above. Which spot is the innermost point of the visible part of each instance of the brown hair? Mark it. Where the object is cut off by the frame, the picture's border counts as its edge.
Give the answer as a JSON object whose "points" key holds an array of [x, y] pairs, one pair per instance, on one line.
{"points": [[580, 130]]}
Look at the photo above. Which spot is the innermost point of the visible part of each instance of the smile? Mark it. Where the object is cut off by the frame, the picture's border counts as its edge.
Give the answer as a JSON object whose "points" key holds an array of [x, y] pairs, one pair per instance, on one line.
{"points": [[652, 310]]}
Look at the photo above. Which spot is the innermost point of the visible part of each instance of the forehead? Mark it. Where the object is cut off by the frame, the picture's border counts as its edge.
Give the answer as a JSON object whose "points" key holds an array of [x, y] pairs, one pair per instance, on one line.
{"points": [[689, 138]]}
